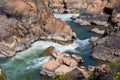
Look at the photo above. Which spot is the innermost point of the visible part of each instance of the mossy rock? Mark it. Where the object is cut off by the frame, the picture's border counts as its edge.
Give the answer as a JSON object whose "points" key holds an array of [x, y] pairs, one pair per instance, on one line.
{"points": [[2, 77], [115, 68], [48, 51]]}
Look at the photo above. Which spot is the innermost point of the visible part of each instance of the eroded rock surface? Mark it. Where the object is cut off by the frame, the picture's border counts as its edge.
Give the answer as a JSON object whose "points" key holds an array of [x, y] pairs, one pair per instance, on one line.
{"points": [[68, 6], [102, 73], [63, 64], [108, 48], [24, 21]]}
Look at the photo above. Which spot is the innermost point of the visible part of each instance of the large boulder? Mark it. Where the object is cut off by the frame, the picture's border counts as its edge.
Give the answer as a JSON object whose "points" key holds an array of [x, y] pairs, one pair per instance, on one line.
{"points": [[116, 13], [108, 48], [102, 73], [75, 74], [63, 69], [97, 6], [60, 64], [23, 22]]}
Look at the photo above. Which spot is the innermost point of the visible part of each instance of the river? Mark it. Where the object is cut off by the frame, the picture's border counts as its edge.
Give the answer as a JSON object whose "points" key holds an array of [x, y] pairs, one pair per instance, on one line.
{"points": [[25, 65]]}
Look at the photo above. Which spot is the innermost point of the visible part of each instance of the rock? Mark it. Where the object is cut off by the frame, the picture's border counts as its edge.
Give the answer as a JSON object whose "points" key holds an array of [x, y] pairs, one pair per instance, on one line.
{"points": [[48, 51], [49, 65], [66, 55], [85, 23], [82, 67], [102, 73], [21, 26], [77, 58], [96, 30], [63, 69], [46, 72], [67, 6], [96, 7], [77, 21], [116, 13], [99, 23], [73, 17], [57, 55], [61, 64], [70, 62], [107, 49], [93, 39], [91, 68], [75, 74]]}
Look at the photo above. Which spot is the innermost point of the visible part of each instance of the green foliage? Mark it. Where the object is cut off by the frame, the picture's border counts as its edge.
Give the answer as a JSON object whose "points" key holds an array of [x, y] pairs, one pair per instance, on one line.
{"points": [[58, 77], [115, 69], [91, 77], [117, 76]]}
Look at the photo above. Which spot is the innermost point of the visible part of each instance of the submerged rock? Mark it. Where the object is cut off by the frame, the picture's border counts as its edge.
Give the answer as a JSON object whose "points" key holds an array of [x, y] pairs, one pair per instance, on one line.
{"points": [[23, 22], [48, 51]]}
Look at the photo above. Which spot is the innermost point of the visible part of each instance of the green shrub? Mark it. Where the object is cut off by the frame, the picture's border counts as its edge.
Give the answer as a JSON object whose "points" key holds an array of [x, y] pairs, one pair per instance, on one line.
{"points": [[117, 76]]}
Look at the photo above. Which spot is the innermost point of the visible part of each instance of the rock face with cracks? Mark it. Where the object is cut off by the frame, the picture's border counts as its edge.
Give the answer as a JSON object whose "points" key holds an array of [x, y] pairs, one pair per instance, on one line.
{"points": [[63, 64], [25, 21]]}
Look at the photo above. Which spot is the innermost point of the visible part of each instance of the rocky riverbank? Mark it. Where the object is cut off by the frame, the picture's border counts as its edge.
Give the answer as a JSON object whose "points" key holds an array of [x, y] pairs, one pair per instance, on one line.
{"points": [[20, 26], [69, 66], [107, 48], [97, 15]]}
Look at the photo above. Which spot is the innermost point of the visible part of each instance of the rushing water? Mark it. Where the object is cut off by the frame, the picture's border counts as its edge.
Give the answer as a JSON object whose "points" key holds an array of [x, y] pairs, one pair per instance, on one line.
{"points": [[25, 65]]}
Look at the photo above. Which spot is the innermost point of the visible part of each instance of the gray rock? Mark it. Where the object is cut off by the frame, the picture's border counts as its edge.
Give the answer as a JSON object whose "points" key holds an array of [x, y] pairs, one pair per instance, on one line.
{"points": [[108, 48]]}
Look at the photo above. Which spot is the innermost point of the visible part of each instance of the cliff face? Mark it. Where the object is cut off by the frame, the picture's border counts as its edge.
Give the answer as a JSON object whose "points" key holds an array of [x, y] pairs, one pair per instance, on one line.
{"points": [[104, 6], [24, 21], [108, 48], [68, 6]]}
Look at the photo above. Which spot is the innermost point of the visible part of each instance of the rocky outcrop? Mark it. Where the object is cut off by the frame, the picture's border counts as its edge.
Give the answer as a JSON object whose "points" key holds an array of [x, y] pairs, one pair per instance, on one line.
{"points": [[116, 14], [96, 7], [68, 6], [75, 74], [23, 22], [102, 73], [99, 12], [107, 48], [63, 64], [92, 19]]}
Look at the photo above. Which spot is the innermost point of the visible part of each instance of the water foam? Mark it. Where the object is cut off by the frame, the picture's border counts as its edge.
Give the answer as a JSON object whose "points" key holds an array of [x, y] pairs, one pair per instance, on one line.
{"points": [[65, 17], [30, 57]]}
